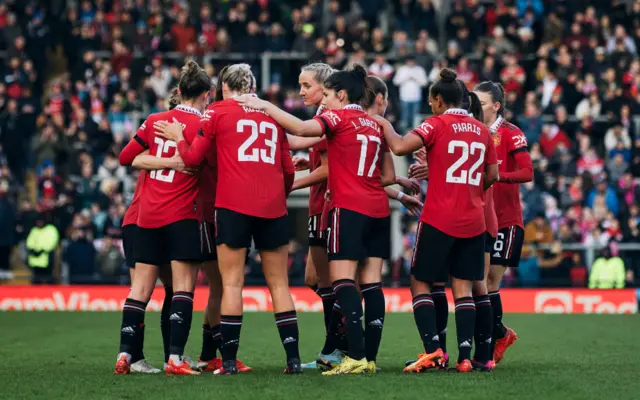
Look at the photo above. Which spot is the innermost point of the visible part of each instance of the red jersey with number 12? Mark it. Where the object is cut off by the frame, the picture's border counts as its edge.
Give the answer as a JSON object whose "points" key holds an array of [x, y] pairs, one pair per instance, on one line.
{"points": [[508, 140], [356, 148], [458, 148], [250, 148], [169, 196]]}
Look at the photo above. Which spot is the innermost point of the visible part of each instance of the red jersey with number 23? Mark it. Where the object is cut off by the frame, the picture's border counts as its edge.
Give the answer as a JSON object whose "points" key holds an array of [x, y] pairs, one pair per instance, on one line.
{"points": [[356, 148], [509, 140], [168, 196], [458, 148], [251, 148]]}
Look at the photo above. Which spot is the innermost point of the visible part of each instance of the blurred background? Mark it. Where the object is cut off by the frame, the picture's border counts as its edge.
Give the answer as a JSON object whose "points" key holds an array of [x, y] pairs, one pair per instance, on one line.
{"points": [[79, 77]]}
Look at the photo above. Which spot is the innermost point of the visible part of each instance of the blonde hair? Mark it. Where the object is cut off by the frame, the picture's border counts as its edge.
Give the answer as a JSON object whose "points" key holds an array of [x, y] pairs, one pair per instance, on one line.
{"points": [[239, 78], [322, 71]]}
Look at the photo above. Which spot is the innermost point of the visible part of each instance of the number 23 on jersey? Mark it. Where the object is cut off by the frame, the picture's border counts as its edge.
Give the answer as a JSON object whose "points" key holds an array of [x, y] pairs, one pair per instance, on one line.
{"points": [[249, 151]]}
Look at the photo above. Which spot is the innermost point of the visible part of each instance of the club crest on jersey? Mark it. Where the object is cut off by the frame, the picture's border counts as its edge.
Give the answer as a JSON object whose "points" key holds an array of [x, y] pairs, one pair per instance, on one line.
{"points": [[333, 117], [496, 140]]}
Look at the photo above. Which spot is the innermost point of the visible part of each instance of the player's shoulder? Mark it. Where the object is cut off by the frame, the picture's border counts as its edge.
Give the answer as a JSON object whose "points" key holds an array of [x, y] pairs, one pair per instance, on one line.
{"points": [[509, 127], [431, 124]]}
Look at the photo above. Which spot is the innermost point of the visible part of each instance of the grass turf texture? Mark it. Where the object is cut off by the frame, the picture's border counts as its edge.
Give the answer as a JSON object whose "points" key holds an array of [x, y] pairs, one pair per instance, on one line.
{"points": [[71, 356]]}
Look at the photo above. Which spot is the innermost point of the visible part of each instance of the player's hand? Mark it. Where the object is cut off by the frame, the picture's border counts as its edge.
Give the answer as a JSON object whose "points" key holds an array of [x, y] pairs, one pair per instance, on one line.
{"points": [[177, 164], [421, 155], [170, 131], [412, 185], [413, 205], [419, 171], [252, 102], [300, 163], [327, 195]]}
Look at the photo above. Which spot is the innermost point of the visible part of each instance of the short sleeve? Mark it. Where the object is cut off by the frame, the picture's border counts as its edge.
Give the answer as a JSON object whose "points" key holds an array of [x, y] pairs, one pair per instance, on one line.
{"points": [[516, 141], [330, 121], [427, 131], [208, 123], [142, 136]]}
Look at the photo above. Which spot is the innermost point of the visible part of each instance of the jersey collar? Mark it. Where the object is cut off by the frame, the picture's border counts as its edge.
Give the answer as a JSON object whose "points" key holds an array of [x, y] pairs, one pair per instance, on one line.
{"points": [[320, 110], [188, 109], [496, 124], [457, 111], [353, 107]]}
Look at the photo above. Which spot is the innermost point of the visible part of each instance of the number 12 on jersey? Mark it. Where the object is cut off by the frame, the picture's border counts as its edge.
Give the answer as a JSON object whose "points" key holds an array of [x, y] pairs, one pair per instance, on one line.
{"points": [[364, 144], [163, 147]]}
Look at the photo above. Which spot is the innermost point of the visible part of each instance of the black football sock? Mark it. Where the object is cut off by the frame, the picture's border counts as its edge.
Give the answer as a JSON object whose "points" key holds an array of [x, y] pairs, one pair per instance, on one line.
{"points": [[165, 324], [351, 305], [499, 330], [328, 298], [181, 314], [208, 352], [230, 327], [131, 328], [441, 305], [374, 309], [334, 330], [217, 339], [483, 329], [287, 323], [465, 324], [425, 316]]}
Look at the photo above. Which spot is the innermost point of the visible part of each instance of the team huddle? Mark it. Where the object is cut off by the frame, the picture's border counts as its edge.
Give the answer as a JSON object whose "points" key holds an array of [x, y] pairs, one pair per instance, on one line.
{"points": [[215, 176]]}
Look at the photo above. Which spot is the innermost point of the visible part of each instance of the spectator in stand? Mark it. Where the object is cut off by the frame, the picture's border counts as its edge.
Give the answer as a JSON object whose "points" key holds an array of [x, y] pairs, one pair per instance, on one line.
{"points": [[410, 79], [606, 193], [42, 241], [7, 230], [380, 68], [551, 138], [109, 262], [608, 271], [80, 257], [590, 162]]}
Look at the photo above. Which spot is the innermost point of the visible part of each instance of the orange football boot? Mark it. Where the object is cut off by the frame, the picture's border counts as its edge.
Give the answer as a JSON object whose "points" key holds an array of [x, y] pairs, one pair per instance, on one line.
{"points": [[123, 367], [216, 363], [426, 361], [182, 369], [503, 344], [464, 366]]}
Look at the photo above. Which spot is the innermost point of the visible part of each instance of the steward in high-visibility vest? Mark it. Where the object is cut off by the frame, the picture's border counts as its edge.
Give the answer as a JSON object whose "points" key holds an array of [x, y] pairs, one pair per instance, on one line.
{"points": [[41, 242]]}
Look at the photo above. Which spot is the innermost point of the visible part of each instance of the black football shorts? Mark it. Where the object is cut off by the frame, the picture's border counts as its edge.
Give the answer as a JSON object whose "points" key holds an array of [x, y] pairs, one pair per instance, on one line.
{"points": [[208, 241], [236, 230], [355, 236], [178, 241], [507, 247], [129, 233], [437, 255], [317, 236]]}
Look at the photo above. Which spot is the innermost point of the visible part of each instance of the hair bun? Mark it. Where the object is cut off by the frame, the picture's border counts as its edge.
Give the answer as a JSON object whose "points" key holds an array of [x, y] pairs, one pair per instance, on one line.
{"points": [[359, 71], [448, 75], [191, 68]]}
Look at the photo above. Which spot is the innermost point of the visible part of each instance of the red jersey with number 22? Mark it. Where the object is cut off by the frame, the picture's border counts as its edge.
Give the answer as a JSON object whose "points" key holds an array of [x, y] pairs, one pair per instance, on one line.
{"points": [[169, 196], [458, 148], [250, 149], [509, 140], [356, 148]]}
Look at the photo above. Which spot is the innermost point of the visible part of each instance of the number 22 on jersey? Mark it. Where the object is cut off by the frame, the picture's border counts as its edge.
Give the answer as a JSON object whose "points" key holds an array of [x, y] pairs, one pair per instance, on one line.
{"points": [[455, 173], [246, 153]]}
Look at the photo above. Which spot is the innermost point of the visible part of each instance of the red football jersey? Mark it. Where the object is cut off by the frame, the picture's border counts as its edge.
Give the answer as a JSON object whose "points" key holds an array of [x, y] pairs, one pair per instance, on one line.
{"points": [[458, 148], [508, 140], [131, 216], [169, 196], [251, 148], [490, 216], [317, 191], [356, 147]]}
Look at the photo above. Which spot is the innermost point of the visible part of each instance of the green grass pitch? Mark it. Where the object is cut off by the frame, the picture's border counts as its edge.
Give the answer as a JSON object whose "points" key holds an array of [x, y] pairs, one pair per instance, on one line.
{"points": [[71, 356]]}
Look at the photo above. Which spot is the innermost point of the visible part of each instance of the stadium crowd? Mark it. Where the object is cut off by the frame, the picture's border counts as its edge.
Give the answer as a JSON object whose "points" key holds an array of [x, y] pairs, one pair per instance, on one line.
{"points": [[80, 76]]}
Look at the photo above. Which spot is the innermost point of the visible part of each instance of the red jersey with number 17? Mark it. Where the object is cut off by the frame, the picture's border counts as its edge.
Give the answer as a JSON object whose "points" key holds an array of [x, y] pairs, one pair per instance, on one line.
{"points": [[356, 148], [508, 140], [250, 148], [169, 196], [458, 148]]}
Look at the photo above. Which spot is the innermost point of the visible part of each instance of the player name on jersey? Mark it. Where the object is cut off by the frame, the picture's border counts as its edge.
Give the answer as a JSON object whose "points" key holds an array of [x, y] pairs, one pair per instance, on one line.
{"points": [[465, 127]]}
